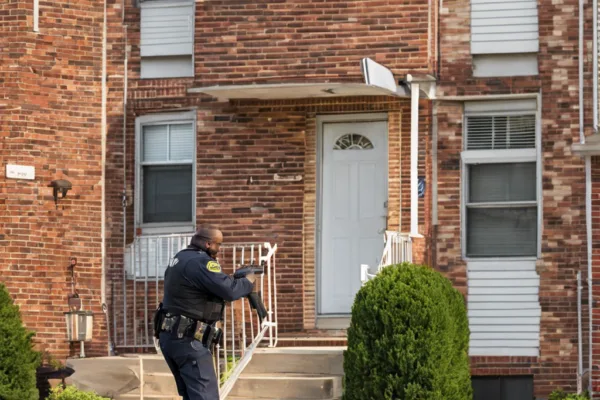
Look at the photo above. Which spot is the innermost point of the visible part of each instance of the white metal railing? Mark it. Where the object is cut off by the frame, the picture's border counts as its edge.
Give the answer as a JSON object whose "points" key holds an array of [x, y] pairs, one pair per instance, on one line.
{"points": [[141, 289], [242, 329], [397, 249]]}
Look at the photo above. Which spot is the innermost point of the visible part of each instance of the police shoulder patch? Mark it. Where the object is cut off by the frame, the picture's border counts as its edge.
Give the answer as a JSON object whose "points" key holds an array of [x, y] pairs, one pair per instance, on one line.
{"points": [[213, 266]]}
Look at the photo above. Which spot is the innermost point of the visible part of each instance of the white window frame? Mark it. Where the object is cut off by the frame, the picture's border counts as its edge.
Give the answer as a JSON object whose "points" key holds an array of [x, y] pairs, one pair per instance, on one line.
{"points": [[473, 157], [162, 227]]}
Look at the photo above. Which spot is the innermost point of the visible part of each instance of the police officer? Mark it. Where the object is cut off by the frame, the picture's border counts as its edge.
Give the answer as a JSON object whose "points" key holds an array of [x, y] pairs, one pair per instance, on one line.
{"points": [[195, 292]]}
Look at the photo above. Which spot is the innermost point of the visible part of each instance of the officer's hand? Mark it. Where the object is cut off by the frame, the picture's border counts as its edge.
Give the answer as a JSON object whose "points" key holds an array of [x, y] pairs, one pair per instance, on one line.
{"points": [[251, 277]]}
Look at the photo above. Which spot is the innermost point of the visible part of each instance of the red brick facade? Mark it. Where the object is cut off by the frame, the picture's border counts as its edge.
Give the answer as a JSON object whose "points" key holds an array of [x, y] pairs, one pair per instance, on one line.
{"points": [[270, 42], [50, 91], [50, 98], [563, 228]]}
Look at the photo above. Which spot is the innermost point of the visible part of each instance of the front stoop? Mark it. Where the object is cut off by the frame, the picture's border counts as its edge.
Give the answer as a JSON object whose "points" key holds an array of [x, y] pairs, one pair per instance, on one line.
{"points": [[292, 373], [300, 373]]}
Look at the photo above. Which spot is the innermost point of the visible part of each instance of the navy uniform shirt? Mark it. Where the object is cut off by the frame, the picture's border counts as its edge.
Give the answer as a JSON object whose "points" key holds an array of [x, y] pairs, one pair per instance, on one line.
{"points": [[196, 287]]}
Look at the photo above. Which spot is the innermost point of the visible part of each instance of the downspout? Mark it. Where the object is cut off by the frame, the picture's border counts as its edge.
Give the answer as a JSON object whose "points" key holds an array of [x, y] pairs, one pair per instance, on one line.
{"points": [[124, 198], [588, 224], [595, 63], [103, 181], [581, 140], [36, 15], [414, 160], [581, 120], [588, 184], [434, 183]]}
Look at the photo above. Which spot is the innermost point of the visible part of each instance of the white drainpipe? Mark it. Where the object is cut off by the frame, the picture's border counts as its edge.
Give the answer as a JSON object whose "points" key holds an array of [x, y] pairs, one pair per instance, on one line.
{"points": [[103, 181], [414, 159], [581, 120], [595, 63], [36, 15], [588, 225]]}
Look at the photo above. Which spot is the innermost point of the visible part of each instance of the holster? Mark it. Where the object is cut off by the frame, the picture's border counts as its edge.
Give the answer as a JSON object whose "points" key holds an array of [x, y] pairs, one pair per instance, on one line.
{"points": [[157, 320], [212, 336]]}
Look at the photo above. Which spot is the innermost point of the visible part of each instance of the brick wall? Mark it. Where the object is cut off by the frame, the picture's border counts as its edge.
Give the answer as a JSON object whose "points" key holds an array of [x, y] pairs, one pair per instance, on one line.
{"points": [[259, 42], [564, 235], [273, 41], [50, 91], [258, 139]]}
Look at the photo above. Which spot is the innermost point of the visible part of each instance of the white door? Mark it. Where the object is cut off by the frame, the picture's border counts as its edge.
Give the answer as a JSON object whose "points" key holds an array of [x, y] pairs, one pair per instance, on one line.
{"points": [[354, 208]]}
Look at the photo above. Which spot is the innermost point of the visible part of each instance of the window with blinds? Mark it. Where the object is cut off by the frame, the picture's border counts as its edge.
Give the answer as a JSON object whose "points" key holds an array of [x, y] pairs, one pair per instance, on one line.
{"points": [[502, 210], [500, 132], [501, 207], [167, 160]]}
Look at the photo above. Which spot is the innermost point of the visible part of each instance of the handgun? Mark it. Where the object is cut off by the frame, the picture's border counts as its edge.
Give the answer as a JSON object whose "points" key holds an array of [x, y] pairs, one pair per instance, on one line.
{"points": [[254, 298]]}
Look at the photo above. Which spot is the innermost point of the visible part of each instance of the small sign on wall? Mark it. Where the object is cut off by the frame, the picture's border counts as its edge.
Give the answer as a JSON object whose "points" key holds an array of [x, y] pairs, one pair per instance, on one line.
{"points": [[20, 172], [421, 187]]}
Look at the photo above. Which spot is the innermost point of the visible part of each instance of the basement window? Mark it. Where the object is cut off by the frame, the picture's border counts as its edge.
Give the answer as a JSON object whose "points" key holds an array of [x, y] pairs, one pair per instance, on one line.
{"points": [[502, 387]]}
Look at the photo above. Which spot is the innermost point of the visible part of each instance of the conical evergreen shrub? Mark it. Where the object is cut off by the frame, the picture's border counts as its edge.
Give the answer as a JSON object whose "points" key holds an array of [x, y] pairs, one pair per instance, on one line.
{"points": [[408, 338], [18, 359]]}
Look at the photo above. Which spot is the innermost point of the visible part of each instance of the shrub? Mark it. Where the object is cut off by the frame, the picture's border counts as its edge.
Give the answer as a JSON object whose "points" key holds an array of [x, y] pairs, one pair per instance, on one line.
{"points": [[408, 338], [559, 394], [18, 359], [72, 393]]}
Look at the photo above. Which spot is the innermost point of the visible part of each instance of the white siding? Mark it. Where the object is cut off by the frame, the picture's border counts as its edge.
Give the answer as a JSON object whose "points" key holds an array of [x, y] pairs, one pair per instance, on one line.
{"points": [[503, 307], [504, 26], [167, 29]]}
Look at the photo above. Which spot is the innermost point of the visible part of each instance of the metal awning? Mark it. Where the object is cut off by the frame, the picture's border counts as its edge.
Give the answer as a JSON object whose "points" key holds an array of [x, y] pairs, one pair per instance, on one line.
{"points": [[277, 91], [378, 81], [591, 147]]}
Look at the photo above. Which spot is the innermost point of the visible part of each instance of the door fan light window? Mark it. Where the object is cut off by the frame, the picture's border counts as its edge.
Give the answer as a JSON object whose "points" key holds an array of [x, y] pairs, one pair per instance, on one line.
{"points": [[353, 141]]}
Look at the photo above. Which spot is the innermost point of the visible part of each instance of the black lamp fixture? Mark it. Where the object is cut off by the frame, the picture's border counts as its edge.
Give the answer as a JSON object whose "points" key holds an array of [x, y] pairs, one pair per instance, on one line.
{"points": [[61, 186]]}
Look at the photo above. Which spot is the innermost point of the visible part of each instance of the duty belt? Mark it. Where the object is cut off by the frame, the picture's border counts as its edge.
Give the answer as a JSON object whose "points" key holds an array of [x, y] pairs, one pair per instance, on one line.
{"points": [[184, 326]]}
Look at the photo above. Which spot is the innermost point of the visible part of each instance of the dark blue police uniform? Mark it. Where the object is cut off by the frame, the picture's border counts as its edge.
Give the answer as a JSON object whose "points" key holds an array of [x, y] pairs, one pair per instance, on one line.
{"points": [[195, 292]]}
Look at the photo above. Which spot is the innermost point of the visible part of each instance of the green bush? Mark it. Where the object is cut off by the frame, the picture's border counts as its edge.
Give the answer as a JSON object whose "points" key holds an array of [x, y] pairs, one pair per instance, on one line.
{"points": [[408, 338], [72, 393], [18, 359], [561, 395]]}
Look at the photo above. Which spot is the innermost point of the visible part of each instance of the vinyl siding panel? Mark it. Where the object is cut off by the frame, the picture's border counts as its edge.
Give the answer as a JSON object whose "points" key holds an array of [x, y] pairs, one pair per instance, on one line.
{"points": [[504, 26], [167, 29], [503, 308]]}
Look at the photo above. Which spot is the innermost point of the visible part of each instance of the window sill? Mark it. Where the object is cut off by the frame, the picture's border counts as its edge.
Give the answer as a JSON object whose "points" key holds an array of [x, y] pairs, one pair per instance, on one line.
{"points": [[499, 259], [147, 230]]}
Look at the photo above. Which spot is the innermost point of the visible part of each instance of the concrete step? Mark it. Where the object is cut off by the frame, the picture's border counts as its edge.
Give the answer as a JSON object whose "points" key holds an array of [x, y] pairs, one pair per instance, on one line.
{"points": [[157, 383], [287, 386], [255, 398], [304, 360], [150, 397], [312, 341]]}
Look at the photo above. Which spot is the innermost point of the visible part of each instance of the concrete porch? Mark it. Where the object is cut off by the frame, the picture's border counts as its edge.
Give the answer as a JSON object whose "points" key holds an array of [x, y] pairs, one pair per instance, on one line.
{"points": [[273, 373]]}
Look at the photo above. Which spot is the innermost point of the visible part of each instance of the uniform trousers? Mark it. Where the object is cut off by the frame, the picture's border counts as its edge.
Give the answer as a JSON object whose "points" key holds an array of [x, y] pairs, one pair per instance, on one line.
{"points": [[192, 366]]}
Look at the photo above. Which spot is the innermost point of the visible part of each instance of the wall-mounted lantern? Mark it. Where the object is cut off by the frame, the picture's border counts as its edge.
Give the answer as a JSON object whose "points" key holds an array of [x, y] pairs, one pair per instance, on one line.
{"points": [[61, 186], [79, 323]]}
